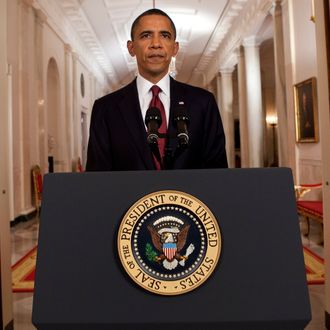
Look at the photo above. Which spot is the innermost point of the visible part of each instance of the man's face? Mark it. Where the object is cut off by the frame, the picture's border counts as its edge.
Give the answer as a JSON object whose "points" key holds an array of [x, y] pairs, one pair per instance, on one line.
{"points": [[153, 45]]}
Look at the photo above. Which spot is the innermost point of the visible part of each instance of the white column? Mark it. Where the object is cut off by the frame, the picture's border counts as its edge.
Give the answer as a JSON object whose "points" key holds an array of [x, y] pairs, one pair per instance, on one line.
{"points": [[40, 19], [75, 110], [69, 105], [280, 86], [254, 101], [26, 103], [10, 124], [242, 104], [5, 250], [227, 111], [92, 97], [218, 97]]}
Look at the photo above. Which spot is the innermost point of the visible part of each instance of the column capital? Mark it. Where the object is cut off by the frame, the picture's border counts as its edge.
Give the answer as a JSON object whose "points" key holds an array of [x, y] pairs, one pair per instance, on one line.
{"points": [[75, 56], [68, 48], [276, 8], [41, 17], [252, 41], [240, 51], [226, 70]]}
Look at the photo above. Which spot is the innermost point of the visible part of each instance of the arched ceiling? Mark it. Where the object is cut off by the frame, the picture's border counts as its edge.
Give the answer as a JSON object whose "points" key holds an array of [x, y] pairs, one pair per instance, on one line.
{"points": [[202, 26]]}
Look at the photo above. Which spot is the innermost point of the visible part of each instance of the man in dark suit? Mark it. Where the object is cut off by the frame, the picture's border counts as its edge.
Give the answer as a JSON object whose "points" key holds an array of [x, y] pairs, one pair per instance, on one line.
{"points": [[118, 135]]}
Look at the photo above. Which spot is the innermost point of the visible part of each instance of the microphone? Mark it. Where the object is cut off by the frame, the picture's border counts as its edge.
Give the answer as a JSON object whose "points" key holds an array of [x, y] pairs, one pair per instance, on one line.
{"points": [[181, 121], [153, 121]]}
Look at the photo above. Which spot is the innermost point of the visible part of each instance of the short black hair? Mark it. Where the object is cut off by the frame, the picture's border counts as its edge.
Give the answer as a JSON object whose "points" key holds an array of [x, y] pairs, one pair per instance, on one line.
{"points": [[153, 11]]}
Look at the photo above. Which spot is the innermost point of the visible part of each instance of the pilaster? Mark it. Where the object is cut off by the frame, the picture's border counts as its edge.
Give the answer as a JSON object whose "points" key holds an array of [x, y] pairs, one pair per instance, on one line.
{"points": [[242, 104], [26, 103], [6, 305], [69, 114], [254, 101], [280, 85], [41, 136], [227, 110], [75, 110]]}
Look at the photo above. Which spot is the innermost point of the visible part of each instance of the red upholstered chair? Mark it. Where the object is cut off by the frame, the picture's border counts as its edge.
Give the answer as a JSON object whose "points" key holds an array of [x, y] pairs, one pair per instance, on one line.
{"points": [[78, 166], [308, 208], [37, 186]]}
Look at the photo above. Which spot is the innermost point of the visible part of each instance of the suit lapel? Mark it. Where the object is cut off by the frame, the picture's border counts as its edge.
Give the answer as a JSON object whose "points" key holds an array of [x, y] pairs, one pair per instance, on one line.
{"points": [[131, 112]]}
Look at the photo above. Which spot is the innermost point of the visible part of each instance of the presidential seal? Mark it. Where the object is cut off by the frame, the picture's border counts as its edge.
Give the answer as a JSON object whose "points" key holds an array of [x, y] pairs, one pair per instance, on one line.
{"points": [[169, 242]]}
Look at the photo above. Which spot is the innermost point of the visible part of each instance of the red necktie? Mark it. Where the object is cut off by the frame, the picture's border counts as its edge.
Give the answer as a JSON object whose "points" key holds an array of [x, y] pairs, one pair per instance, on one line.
{"points": [[156, 102]]}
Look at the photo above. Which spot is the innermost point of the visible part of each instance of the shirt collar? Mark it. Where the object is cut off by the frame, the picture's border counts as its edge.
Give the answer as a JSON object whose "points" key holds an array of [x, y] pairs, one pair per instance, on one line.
{"points": [[144, 85]]}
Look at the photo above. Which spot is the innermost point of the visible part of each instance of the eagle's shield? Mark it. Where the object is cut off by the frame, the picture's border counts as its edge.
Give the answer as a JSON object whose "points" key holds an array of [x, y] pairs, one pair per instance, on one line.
{"points": [[169, 250]]}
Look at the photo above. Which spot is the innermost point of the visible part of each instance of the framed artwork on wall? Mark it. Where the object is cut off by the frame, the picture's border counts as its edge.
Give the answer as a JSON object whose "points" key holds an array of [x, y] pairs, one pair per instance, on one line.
{"points": [[306, 113]]}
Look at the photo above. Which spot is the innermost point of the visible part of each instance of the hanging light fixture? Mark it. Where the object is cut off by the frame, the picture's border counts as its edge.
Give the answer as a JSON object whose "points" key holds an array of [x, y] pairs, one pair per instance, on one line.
{"points": [[172, 69]]}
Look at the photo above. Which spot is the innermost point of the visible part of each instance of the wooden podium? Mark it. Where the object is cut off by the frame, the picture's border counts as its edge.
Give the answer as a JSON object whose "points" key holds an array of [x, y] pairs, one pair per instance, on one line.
{"points": [[259, 283]]}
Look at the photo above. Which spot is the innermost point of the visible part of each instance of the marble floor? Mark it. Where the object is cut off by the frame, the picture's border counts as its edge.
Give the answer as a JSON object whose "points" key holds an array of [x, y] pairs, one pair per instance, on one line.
{"points": [[24, 237]]}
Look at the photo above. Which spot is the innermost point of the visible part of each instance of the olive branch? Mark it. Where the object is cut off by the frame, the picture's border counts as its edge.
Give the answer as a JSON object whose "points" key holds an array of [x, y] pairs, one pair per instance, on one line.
{"points": [[150, 252]]}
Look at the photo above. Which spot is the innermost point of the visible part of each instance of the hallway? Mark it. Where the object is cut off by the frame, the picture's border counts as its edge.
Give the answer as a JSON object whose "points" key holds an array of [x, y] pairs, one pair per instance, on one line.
{"points": [[57, 58]]}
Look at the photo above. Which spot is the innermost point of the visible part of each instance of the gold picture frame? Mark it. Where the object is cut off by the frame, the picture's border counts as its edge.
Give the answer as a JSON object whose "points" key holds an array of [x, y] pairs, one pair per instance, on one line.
{"points": [[306, 113]]}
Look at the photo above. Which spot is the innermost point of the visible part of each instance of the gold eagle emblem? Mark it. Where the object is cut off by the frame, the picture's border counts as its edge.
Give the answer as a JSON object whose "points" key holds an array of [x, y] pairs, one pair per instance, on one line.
{"points": [[169, 236]]}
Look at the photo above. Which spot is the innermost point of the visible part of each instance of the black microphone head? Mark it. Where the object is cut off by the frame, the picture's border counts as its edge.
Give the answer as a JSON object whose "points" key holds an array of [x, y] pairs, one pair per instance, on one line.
{"points": [[181, 120], [180, 113], [153, 113]]}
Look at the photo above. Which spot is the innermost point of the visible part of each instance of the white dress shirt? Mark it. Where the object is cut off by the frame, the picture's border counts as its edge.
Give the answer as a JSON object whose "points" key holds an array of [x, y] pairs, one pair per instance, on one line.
{"points": [[145, 94]]}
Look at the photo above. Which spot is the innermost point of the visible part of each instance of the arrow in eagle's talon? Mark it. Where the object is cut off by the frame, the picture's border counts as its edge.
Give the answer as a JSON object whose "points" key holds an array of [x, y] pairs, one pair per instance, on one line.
{"points": [[189, 251]]}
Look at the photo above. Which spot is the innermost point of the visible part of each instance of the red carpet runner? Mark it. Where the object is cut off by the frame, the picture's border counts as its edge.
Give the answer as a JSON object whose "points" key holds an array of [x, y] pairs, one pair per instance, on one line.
{"points": [[314, 267], [24, 269], [23, 272]]}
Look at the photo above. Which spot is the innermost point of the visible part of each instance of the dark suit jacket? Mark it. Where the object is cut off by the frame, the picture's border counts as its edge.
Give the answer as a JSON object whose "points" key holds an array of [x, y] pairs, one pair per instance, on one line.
{"points": [[118, 138]]}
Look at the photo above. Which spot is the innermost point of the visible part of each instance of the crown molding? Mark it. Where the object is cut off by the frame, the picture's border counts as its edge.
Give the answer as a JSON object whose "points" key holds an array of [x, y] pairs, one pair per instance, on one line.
{"points": [[63, 17], [247, 22], [232, 12]]}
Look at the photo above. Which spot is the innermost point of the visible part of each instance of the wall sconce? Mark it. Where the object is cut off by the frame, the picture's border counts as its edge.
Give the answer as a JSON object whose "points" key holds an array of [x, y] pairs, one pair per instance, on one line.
{"points": [[313, 12], [272, 122]]}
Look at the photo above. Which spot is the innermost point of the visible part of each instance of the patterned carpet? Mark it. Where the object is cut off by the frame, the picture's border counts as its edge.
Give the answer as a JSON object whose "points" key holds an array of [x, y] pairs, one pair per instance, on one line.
{"points": [[23, 272]]}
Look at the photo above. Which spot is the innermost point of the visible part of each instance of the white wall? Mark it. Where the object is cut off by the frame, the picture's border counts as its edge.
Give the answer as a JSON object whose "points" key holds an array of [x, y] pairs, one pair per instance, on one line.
{"points": [[84, 106], [53, 48], [5, 250], [268, 98], [32, 43], [324, 106], [303, 66]]}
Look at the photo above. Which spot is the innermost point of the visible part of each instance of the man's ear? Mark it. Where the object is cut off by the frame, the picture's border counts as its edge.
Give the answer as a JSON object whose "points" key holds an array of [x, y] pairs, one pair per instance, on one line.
{"points": [[130, 48], [176, 48]]}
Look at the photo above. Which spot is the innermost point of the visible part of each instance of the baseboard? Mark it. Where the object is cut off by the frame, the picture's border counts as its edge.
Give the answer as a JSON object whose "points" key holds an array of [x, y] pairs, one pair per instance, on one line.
{"points": [[23, 218], [327, 320]]}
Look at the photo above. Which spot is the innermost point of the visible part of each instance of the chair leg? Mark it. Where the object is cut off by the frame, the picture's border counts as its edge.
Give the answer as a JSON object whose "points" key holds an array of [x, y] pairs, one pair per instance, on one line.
{"points": [[321, 239], [304, 225], [308, 226]]}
